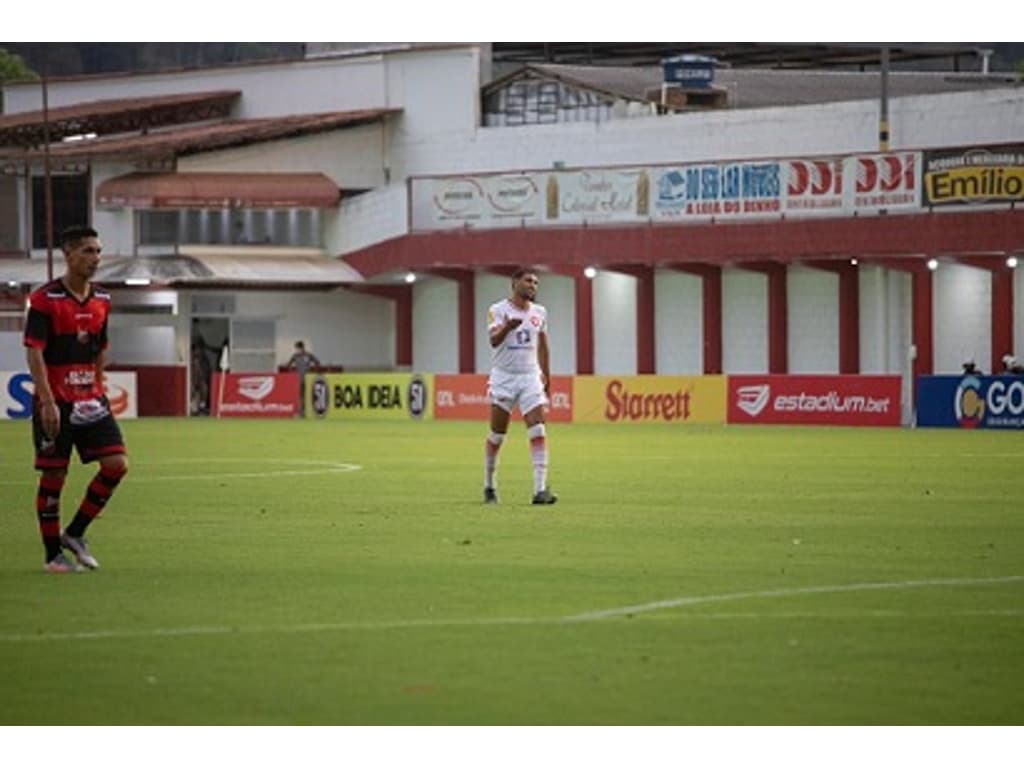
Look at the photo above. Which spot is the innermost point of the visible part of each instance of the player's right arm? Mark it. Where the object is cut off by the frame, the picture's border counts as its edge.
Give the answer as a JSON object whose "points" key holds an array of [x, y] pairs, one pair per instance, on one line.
{"points": [[37, 334], [49, 414], [499, 327]]}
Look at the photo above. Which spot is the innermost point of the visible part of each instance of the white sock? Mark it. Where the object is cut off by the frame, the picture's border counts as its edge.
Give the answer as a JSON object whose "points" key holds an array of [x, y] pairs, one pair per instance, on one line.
{"points": [[539, 454], [491, 447]]}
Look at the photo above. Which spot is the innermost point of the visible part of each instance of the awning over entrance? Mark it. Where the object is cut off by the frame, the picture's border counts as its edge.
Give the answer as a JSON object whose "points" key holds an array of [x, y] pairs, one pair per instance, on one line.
{"points": [[201, 265], [218, 190]]}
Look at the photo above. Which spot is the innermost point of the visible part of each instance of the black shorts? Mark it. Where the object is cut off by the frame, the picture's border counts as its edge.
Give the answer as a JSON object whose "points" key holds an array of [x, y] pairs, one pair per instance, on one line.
{"points": [[94, 434]]}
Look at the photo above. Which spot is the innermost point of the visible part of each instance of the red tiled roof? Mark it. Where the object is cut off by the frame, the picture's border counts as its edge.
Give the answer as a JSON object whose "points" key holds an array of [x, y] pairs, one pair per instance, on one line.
{"points": [[114, 115], [192, 139], [219, 190]]}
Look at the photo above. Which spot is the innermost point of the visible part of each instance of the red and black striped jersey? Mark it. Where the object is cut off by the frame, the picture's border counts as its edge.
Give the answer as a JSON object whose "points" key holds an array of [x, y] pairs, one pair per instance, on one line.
{"points": [[72, 334]]}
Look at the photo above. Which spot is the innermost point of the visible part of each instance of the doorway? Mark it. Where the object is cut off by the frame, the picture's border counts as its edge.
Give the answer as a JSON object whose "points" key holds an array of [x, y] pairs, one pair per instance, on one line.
{"points": [[208, 337]]}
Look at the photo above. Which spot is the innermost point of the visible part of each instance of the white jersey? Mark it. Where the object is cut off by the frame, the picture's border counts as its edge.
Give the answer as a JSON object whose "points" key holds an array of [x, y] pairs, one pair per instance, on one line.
{"points": [[517, 353]]}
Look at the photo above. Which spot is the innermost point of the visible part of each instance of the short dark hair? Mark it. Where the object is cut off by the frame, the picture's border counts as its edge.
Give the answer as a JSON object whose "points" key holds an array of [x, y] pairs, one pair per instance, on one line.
{"points": [[72, 236], [521, 271]]}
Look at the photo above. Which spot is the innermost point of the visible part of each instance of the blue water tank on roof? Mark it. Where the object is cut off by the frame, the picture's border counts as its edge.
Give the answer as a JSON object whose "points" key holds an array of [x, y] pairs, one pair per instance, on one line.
{"points": [[689, 70]]}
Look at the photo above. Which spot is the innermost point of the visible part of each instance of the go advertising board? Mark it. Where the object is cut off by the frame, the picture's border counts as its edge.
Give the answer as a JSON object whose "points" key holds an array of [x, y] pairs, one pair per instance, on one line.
{"points": [[970, 402], [16, 390], [865, 401], [394, 396]]}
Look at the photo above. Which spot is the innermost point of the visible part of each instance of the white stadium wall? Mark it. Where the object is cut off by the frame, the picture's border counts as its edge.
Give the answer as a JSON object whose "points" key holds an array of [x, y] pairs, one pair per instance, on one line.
{"points": [[812, 302], [744, 321], [435, 324], [340, 327], [614, 302], [678, 323], [962, 317]]}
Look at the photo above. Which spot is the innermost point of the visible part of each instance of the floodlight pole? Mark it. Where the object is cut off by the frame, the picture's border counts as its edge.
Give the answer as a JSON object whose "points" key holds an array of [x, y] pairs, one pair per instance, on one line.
{"points": [[883, 112], [47, 185]]}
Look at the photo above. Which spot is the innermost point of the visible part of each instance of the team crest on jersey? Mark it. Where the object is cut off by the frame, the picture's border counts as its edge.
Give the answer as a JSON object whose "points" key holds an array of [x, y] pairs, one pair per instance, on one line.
{"points": [[534, 321]]}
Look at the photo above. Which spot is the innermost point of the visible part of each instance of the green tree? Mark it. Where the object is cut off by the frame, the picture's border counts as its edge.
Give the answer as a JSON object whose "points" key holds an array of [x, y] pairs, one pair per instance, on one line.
{"points": [[13, 67]]}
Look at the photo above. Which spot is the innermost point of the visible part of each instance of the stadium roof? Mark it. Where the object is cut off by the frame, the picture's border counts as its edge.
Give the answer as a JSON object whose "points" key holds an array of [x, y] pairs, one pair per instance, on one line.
{"points": [[26, 129], [204, 265], [763, 55], [218, 190], [199, 138], [750, 88]]}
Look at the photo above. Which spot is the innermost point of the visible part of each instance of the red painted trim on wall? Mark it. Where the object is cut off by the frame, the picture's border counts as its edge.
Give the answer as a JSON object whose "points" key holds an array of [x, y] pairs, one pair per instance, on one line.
{"points": [[465, 280], [786, 240], [849, 311], [778, 313], [922, 323], [711, 290], [1002, 317], [1002, 304]]}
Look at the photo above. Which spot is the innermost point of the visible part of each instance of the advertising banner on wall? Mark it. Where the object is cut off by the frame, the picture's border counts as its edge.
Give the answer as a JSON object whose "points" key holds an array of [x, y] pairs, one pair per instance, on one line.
{"points": [[464, 396], [255, 395], [974, 176], [971, 402], [649, 399], [394, 396], [17, 389], [698, 192], [889, 181], [853, 401]]}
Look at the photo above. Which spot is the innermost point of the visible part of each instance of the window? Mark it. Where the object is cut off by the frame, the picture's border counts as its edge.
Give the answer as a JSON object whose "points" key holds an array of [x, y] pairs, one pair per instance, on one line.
{"points": [[283, 227], [70, 206]]}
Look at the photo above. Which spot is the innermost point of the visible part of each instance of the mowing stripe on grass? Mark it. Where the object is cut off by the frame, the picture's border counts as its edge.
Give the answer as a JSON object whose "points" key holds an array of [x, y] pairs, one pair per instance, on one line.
{"points": [[592, 616], [142, 473]]}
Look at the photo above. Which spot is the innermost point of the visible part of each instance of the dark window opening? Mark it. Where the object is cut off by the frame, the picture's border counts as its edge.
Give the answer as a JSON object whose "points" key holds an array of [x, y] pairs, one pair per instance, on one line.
{"points": [[70, 206]]}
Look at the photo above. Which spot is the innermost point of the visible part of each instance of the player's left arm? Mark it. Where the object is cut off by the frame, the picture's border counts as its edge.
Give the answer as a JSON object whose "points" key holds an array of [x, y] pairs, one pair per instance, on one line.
{"points": [[543, 358], [101, 356]]}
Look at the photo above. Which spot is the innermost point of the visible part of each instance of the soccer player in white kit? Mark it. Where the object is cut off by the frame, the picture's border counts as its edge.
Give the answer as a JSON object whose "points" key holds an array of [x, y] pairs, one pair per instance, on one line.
{"points": [[520, 375]]}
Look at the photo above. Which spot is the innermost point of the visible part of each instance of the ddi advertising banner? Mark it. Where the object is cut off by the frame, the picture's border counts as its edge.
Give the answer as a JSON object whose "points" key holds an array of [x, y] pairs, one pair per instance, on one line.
{"points": [[853, 401], [16, 391], [370, 396], [256, 395], [988, 402], [464, 396], [651, 399]]}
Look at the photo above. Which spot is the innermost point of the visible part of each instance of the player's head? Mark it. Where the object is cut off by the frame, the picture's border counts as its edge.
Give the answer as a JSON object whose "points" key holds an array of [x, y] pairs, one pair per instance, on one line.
{"points": [[82, 249], [300, 346], [525, 283]]}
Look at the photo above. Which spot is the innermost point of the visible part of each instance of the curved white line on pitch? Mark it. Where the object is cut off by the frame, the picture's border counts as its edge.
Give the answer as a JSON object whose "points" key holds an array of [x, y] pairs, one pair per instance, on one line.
{"points": [[679, 602], [139, 469], [116, 634]]}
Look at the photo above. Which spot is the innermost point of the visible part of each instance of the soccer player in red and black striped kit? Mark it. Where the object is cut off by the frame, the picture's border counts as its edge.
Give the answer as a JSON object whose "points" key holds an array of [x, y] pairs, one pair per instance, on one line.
{"points": [[66, 339]]}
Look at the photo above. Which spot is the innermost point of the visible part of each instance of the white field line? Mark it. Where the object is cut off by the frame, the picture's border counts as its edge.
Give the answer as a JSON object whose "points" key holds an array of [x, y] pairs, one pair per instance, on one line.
{"points": [[140, 470], [117, 634], [679, 602]]}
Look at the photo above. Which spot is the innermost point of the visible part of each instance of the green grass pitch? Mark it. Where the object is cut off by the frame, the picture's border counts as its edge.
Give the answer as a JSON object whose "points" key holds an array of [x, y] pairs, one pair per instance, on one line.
{"points": [[346, 573]]}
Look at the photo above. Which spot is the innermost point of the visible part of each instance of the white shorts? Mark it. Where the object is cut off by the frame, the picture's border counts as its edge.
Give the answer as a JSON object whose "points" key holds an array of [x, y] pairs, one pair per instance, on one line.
{"points": [[507, 390]]}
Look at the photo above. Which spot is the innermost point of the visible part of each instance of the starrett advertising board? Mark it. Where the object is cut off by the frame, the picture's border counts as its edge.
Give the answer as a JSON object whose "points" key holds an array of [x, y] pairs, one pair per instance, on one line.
{"points": [[974, 176], [394, 396], [649, 399]]}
